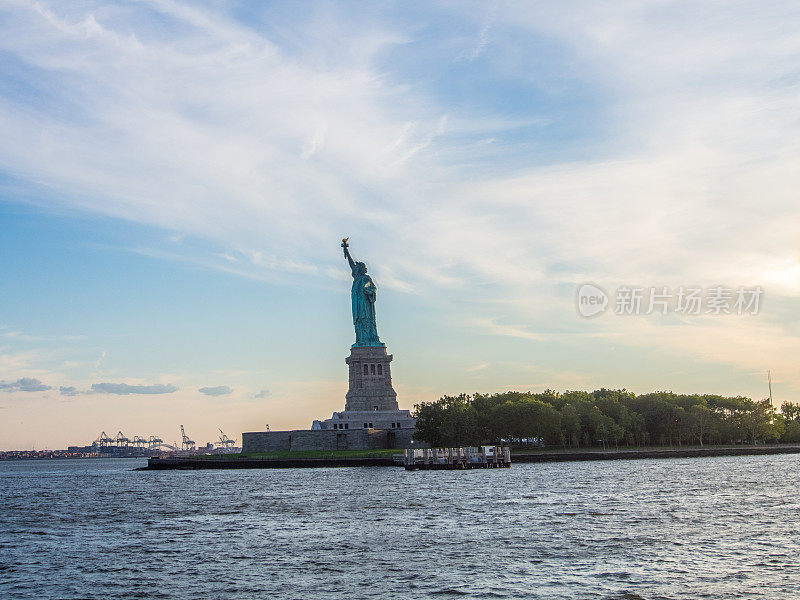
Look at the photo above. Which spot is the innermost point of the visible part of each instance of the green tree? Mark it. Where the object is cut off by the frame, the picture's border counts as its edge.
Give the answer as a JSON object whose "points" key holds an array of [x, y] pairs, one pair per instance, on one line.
{"points": [[430, 425], [791, 434], [571, 424], [702, 419], [790, 411], [603, 417], [762, 423]]}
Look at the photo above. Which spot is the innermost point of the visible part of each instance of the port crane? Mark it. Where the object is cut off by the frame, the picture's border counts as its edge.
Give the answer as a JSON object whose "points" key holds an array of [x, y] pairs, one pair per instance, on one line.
{"points": [[121, 441], [186, 443], [154, 442], [104, 441], [225, 441]]}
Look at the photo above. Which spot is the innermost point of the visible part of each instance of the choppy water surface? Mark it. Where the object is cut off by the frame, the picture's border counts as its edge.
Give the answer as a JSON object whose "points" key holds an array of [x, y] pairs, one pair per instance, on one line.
{"points": [[696, 528]]}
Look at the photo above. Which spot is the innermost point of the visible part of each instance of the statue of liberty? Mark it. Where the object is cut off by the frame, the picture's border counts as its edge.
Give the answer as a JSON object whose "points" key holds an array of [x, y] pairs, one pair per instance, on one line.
{"points": [[362, 296]]}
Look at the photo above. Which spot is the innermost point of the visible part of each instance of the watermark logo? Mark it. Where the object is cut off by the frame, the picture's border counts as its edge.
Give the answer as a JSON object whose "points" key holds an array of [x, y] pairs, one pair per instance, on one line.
{"points": [[591, 300]]}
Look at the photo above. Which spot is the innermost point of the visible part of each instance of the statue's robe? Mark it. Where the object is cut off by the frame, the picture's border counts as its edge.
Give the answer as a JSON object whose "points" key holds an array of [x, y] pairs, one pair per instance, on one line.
{"points": [[363, 295]]}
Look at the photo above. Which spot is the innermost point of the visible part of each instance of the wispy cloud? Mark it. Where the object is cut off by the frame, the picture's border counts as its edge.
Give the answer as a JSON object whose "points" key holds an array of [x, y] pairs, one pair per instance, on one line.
{"points": [[478, 367], [483, 37], [25, 337], [220, 390], [653, 144], [24, 384], [99, 362], [125, 388], [493, 327]]}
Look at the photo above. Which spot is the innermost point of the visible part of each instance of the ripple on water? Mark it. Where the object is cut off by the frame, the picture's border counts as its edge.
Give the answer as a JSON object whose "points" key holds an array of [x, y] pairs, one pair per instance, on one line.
{"points": [[718, 528]]}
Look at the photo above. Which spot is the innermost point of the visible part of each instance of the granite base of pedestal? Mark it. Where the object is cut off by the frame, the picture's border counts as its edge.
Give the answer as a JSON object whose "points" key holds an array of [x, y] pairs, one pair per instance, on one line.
{"points": [[326, 439]]}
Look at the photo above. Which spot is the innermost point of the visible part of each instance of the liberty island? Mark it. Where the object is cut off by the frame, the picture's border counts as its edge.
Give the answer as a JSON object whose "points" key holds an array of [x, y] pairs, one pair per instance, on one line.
{"points": [[371, 418]]}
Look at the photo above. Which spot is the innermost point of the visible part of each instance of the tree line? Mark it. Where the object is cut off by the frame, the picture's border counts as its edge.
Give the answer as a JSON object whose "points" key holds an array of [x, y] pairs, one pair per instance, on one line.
{"points": [[603, 418]]}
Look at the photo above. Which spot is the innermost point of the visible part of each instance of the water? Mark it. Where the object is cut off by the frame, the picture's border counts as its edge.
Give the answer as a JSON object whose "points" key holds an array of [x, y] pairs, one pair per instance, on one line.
{"points": [[696, 528]]}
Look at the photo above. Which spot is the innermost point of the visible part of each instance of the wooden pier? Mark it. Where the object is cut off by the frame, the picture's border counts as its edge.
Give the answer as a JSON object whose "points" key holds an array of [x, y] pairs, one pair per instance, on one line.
{"points": [[482, 457]]}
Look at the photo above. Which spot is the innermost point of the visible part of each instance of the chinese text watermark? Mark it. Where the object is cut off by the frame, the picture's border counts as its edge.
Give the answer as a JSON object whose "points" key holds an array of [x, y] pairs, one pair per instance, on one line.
{"points": [[592, 300]]}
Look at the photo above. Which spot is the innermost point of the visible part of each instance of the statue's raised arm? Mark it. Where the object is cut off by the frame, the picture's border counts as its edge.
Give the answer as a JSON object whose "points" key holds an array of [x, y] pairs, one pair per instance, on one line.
{"points": [[349, 258]]}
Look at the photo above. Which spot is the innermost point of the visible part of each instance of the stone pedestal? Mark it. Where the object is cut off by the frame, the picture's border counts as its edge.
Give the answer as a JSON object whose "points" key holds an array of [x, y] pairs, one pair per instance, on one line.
{"points": [[370, 419], [370, 380]]}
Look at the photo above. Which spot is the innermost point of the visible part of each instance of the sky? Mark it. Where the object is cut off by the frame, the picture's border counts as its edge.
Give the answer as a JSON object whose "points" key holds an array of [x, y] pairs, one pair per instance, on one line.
{"points": [[176, 179]]}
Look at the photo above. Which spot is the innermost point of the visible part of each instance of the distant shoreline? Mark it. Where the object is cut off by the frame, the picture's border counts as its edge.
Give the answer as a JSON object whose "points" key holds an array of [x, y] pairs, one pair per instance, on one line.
{"points": [[642, 453], [520, 456]]}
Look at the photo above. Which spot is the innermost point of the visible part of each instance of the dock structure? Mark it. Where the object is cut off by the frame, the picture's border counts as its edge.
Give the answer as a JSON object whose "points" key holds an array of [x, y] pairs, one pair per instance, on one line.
{"points": [[482, 457]]}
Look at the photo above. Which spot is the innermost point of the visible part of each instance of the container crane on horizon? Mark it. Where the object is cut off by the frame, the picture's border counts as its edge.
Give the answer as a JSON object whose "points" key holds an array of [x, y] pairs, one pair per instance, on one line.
{"points": [[186, 443], [225, 441], [121, 440], [104, 441]]}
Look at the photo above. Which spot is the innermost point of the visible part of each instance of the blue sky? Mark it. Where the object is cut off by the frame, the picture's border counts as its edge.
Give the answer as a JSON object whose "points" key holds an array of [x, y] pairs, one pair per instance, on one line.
{"points": [[175, 179]]}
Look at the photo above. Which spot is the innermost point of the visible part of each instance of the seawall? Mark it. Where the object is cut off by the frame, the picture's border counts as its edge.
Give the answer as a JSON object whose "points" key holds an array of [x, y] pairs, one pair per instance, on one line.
{"points": [[193, 463], [577, 455], [189, 463]]}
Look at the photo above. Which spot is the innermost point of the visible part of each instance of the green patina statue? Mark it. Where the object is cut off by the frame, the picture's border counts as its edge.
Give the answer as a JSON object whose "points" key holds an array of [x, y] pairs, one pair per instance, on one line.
{"points": [[362, 296]]}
